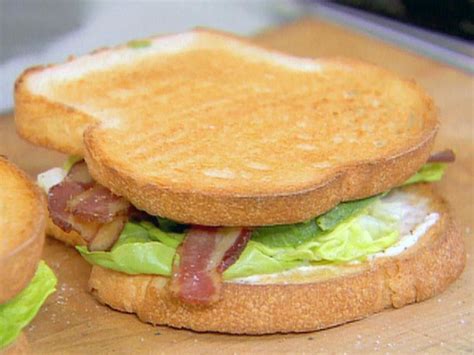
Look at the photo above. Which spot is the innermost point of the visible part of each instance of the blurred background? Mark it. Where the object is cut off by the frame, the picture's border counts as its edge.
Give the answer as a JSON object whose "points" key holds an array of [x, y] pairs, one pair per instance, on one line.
{"points": [[44, 31]]}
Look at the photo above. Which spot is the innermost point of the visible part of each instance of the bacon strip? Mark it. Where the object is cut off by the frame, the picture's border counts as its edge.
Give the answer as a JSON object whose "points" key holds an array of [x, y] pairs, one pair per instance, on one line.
{"points": [[58, 197], [97, 204], [79, 203], [204, 254], [444, 156], [108, 234], [233, 253]]}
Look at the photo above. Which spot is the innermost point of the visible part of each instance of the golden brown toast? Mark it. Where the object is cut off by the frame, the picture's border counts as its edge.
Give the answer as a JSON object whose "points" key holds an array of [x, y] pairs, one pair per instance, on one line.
{"points": [[301, 302], [22, 229], [206, 128]]}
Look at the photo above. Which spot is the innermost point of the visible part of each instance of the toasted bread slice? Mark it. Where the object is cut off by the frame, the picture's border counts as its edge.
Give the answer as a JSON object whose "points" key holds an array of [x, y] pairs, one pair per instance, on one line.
{"points": [[206, 128], [22, 229], [301, 301]]}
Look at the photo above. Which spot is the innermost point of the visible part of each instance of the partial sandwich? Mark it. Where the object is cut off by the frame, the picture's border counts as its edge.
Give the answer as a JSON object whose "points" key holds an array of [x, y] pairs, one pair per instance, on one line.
{"points": [[25, 281], [227, 187]]}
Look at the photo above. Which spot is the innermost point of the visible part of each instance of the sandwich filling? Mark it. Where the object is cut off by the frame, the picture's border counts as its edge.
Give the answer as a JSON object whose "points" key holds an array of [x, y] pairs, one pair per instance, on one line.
{"points": [[18, 312], [198, 258]]}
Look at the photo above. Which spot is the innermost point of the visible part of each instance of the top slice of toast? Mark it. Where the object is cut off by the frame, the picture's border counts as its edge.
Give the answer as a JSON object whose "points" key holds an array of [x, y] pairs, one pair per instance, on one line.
{"points": [[206, 128], [22, 229]]}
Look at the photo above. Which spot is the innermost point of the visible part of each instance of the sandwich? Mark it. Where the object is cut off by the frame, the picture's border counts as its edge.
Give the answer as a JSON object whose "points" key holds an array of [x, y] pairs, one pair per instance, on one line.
{"points": [[25, 281], [217, 185]]}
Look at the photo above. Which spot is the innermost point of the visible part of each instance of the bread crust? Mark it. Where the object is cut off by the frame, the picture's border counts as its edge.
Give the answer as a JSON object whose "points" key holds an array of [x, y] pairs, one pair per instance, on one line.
{"points": [[23, 229], [40, 120], [421, 272]]}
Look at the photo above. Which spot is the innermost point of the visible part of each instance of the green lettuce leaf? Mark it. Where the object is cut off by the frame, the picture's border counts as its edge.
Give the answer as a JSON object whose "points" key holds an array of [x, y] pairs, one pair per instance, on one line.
{"points": [[286, 235], [429, 172], [353, 239], [138, 251], [342, 212], [298, 233], [258, 259], [19, 311], [71, 160]]}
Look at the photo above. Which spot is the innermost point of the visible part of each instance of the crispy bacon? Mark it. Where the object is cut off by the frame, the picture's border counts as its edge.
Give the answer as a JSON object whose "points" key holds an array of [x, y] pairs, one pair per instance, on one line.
{"points": [[79, 203], [444, 156], [97, 204], [108, 234], [233, 253], [204, 254], [58, 197]]}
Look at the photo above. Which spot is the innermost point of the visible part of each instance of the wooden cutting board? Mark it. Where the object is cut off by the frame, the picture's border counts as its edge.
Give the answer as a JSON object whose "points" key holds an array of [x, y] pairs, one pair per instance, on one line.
{"points": [[73, 322]]}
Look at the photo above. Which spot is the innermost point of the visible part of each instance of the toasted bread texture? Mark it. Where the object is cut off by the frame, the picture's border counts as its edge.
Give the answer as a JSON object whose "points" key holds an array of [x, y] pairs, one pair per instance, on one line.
{"points": [[302, 302], [22, 229], [205, 128]]}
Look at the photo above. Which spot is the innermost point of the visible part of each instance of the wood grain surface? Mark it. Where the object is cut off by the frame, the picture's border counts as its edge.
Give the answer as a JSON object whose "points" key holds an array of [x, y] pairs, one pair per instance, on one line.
{"points": [[73, 322]]}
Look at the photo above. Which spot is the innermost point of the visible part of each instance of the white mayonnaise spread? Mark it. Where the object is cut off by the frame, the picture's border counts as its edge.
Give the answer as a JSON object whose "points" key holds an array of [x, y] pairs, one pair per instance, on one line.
{"points": [[415, 219], [410, 239]]}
